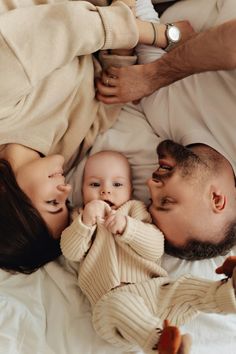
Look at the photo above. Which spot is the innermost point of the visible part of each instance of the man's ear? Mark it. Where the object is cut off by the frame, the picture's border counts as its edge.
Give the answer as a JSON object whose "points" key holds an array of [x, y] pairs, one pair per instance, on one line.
{"points": [[218, 200]]}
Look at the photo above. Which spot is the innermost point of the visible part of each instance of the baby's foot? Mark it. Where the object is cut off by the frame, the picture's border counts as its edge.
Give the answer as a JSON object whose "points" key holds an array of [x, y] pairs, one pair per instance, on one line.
{"points": [[171, 341]]}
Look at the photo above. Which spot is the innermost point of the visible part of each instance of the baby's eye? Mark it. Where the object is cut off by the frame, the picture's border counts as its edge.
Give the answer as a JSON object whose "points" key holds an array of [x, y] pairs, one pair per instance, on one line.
{"points": [[117, 184], [53, 202], [95, 184]]}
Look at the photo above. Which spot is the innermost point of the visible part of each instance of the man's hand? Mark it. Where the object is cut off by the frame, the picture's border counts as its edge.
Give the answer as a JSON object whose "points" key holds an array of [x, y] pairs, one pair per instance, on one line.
{"points": [[95, 211], [126, 84], [115, 223]]}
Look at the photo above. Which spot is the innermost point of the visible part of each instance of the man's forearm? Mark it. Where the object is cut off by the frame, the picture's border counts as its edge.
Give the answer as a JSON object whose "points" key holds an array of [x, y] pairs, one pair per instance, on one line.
{"points": [[211, 50]]}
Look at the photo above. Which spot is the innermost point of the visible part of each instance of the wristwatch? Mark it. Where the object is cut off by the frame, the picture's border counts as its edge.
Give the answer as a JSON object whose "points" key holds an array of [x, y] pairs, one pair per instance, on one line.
{"points": [[173, 36]]}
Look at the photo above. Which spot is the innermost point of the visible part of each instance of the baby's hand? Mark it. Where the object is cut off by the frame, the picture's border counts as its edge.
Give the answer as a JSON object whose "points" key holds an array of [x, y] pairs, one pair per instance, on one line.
{"points": [[95, 211], [115, 223]]}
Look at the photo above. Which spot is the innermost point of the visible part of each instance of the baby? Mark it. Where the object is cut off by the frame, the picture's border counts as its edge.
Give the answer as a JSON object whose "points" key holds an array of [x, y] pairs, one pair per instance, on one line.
{"points": [[119, 251]]}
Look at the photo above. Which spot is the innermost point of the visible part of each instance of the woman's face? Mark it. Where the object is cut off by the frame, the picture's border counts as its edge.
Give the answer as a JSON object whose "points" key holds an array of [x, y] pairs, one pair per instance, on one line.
{"points": [[43, 182]]}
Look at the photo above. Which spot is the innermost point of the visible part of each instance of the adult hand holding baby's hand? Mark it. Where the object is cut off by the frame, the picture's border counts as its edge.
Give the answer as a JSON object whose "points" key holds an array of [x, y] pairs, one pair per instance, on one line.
{"points": [[95, 211], [115, 223]]}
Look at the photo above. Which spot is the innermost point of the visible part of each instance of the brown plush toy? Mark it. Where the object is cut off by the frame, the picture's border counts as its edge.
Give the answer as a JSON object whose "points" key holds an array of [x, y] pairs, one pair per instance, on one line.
{"points": [[172, 342], [227, 267]]}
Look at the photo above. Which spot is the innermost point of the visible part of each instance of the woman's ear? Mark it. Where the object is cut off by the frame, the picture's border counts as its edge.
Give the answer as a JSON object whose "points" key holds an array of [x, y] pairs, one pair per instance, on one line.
{"points": [[218, 200]]}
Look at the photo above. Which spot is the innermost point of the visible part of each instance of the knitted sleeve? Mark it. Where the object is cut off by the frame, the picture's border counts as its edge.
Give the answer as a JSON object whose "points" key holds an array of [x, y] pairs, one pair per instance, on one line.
{"points": [[51, 35], [76, 239], [142, 236]]}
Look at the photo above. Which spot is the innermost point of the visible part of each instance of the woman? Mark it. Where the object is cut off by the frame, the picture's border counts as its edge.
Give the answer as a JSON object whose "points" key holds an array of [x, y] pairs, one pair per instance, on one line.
{"points": [[47, 107]]}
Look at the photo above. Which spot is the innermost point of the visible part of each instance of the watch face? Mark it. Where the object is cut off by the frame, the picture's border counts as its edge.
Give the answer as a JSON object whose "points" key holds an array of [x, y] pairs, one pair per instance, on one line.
{"points": [[174, 34]]}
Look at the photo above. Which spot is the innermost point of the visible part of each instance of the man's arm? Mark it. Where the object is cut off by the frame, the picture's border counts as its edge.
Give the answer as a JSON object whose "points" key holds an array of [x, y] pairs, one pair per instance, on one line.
{"points": [[211, 50]]}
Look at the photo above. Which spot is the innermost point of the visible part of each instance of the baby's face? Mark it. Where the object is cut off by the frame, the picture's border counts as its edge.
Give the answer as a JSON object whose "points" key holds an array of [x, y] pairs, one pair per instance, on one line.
{"points": [[107, 177]]}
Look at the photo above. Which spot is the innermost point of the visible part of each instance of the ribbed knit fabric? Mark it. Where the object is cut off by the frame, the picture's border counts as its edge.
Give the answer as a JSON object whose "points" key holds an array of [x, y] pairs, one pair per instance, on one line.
{"points": [[108, 260], [133, 314], [146, 12]]}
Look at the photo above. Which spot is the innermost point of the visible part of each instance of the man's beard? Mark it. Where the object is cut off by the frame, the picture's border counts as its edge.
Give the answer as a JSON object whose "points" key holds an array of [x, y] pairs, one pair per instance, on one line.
{"points": [[185, 160]]}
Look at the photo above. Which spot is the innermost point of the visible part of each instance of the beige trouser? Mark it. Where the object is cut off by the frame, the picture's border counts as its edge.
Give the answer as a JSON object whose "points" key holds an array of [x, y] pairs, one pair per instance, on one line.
{"points": [[131, 316]]}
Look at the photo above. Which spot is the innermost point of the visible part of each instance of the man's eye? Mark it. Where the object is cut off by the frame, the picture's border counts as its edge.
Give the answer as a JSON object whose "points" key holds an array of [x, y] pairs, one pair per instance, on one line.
{"points": [[117, 184], [95, 184], [53, 202]]}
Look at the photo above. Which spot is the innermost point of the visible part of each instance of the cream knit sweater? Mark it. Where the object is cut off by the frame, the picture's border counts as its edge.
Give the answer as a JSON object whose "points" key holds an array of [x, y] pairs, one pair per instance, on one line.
{"points": [[47, 94], [108, 260]]}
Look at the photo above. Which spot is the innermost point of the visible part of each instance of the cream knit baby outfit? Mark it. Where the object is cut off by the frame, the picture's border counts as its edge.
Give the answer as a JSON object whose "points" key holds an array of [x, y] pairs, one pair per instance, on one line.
{"points": [[130, 316]]}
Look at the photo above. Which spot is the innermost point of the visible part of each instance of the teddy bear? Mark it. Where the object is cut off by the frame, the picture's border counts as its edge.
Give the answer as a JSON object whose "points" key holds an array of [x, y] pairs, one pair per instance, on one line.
{"points": [[171, 341]]}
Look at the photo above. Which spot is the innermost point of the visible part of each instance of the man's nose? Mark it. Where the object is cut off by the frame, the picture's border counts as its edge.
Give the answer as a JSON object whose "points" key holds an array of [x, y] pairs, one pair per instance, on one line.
{"points": [[155, 182]]}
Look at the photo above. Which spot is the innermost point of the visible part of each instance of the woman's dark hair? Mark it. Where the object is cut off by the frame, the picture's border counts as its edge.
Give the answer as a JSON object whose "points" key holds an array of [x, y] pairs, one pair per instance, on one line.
{"points": [[25, 241]]}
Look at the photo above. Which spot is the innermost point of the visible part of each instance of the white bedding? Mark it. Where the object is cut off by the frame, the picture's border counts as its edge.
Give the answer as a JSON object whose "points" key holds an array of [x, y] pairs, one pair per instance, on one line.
{"points": [[45, 312]]}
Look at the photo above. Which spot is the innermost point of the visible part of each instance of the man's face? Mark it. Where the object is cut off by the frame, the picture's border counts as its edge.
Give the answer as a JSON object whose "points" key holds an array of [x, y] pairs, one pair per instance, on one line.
{"points": [[180, 205]]}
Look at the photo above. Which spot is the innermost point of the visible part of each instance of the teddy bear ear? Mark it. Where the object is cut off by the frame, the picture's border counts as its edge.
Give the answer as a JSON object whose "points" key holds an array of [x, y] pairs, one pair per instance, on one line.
{"points": [[227, 267], [170, 339]]}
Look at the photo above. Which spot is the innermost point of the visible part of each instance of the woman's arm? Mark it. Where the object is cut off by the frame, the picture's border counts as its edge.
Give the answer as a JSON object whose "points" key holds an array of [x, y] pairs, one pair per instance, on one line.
{"points": [[211, 50], [50, 36]]}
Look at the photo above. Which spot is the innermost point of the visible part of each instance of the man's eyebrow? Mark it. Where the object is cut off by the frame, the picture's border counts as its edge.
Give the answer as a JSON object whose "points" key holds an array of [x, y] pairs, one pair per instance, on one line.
{"points": [[56, 212]]}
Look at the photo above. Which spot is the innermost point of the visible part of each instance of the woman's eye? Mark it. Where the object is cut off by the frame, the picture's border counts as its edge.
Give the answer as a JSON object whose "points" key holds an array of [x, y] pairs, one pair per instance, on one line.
{"points": [[53, 202], [95, 184], [166, 201], [117, 184]]}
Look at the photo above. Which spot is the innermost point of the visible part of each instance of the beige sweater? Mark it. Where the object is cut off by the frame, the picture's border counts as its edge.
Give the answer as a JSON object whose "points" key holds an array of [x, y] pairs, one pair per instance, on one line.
{"points": [[108, 260], [47, 95]]}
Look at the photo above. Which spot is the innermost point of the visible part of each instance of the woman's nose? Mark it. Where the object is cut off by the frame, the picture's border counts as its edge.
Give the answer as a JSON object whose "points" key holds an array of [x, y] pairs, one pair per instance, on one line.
{"points": [[65, 188]]}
